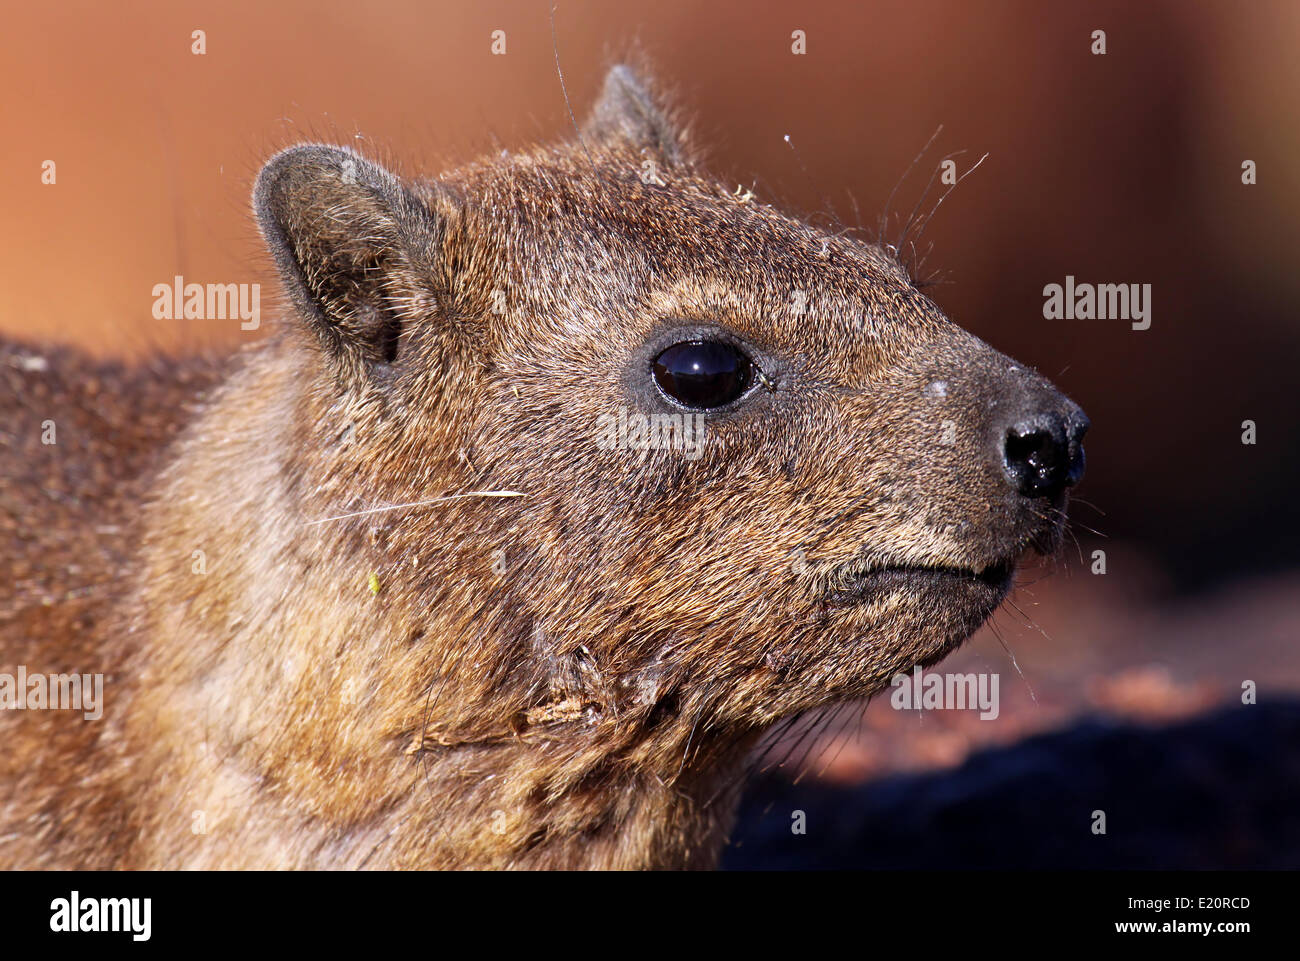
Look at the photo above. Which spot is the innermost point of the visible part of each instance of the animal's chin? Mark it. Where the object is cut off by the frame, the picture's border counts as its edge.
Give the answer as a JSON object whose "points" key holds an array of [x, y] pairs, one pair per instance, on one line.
{"points": [[977, 592]]}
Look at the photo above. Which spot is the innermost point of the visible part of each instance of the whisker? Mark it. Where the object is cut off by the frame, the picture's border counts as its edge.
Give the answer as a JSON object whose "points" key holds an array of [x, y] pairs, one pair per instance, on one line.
{"points": [[911, 217], [810, 743], [555, 46], [839, 736], [398, 507], [857, 214], [924, 223], [1014, 663], [1090, 530], [1077, 546], [1076, 499], [1029, 620], [889, 202]]}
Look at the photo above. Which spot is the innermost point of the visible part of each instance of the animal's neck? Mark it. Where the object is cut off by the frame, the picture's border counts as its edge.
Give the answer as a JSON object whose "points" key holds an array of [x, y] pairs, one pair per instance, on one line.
{"points": [[304, 769], [528, 806]]}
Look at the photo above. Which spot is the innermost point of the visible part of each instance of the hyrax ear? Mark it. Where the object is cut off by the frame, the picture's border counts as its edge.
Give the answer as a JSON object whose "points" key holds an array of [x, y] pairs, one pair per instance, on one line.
{"points": [[356, 250], [628, 113]]}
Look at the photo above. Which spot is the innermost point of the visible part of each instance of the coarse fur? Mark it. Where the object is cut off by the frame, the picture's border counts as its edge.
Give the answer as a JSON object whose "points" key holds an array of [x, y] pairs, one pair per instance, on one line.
{"points": [[566, 667]]}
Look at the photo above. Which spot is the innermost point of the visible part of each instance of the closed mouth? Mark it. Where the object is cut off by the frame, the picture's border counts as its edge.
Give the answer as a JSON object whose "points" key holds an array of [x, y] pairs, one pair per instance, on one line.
{"points": [[856, 587]]}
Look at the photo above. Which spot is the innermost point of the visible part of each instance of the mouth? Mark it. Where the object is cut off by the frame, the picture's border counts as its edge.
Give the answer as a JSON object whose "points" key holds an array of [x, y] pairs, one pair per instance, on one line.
{"points": [[989, 585]]}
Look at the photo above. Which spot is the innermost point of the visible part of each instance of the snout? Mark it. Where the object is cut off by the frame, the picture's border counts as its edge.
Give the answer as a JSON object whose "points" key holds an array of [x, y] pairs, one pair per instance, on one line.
{"points": [[1008, 485], [1041, 448]]}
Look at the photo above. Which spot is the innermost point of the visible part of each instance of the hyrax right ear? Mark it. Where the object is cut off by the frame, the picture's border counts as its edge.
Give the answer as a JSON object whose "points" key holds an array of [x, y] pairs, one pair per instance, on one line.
{"points": [[356, 251], [629, 112]]}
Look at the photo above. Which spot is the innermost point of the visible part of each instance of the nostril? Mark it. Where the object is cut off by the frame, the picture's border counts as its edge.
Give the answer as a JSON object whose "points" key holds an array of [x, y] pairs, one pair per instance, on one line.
{"points": [[1038, 457]]}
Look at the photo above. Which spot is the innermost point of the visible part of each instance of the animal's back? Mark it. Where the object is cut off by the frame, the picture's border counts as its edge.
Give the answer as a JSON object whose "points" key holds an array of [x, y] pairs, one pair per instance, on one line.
{"points": [[79, 440]]}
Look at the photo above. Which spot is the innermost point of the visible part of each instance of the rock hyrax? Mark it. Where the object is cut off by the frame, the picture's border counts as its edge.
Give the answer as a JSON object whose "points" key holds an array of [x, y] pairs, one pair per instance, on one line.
{"points": [[560, 480]]}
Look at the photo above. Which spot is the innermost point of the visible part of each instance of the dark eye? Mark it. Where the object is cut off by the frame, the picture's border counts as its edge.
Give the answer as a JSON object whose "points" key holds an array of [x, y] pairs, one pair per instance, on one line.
{"points": [[703, 373]]}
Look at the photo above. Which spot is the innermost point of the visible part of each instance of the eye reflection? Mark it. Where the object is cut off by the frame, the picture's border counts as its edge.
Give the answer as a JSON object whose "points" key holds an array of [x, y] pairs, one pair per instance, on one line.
{"points": [[703, 373]]}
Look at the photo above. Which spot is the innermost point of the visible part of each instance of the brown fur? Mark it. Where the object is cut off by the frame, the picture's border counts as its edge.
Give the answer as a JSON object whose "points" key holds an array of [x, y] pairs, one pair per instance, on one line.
{"points": [[569, 678]]}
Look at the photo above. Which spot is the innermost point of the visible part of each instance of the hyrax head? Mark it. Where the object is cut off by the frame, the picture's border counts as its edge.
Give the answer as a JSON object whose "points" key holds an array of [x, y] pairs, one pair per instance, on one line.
{"points": [[759, 470]]}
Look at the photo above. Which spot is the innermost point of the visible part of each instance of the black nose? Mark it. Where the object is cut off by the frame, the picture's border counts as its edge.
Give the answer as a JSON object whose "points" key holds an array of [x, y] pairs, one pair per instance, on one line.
{"points": [[1043, 454]]}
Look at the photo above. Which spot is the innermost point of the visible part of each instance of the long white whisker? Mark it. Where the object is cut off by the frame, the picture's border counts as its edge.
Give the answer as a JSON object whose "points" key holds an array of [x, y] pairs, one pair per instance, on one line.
{"points": [[436, 500]]}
